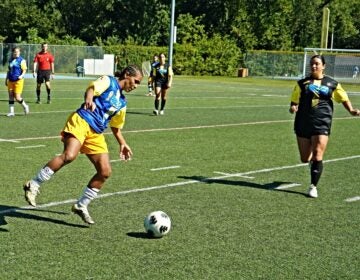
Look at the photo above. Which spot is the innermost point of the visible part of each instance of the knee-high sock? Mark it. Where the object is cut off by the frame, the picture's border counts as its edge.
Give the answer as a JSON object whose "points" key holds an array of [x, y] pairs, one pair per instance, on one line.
{"points": [[316, 171], [163, 102], [88, 195], [44, 175], [156, 103]]}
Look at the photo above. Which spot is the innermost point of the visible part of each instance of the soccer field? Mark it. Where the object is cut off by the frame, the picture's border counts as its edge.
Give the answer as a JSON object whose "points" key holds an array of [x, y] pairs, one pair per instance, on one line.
{"points": [[222, 163]]}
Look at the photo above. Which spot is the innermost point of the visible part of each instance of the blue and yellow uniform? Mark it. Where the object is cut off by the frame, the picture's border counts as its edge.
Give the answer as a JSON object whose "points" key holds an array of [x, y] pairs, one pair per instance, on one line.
{"points": [[87, 126], [315, 99], [17, 66]]}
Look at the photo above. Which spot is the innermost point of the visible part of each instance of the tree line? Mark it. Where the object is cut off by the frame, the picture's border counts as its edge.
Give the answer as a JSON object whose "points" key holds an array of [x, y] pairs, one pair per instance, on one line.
{"points": [[251, 25]]}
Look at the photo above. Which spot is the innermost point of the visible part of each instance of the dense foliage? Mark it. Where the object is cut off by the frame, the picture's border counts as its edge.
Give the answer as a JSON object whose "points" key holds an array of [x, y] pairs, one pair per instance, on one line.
{"points": [[212, 38], [256, 24]]}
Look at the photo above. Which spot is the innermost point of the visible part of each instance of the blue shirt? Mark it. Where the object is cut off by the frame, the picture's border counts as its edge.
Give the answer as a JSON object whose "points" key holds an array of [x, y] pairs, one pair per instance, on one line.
{"points": [[109, 102], [16, 67]]}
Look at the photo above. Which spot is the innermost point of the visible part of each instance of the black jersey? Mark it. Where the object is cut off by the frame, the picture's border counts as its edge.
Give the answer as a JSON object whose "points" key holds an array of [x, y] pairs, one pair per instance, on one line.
{"points": [[315, 110]]}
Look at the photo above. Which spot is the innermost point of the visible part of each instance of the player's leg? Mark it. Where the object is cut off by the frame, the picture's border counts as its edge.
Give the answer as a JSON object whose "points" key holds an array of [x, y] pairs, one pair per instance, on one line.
{"points": [[71, 150], [164, 92], [11, 99], [157, 99], [19, 86], [96, 150], [305, 149], [319, 144]]}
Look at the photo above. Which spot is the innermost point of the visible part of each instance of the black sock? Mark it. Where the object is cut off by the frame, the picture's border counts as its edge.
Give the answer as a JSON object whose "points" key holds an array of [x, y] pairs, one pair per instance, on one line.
{"points": [[156, 104], [48, 93], [163, 102], [315, 171], [38, 94]]}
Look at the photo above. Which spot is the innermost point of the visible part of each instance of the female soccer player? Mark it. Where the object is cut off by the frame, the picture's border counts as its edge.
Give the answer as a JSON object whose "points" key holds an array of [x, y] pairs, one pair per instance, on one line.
{"points": [[104, 105], [15, 81], [163, 76], [312, 101]]}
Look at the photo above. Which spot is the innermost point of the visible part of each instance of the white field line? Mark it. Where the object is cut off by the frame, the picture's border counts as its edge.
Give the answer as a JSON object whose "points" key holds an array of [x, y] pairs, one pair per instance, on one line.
{"points": [[173, 129], [30, 147], [165, 168], [183, 183], [352, 199], [224, 173], [9, 140], [287, 186]]}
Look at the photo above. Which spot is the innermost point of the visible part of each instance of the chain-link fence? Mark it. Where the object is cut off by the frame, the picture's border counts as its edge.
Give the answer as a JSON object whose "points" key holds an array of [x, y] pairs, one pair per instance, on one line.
{"points": [[67, 57]]}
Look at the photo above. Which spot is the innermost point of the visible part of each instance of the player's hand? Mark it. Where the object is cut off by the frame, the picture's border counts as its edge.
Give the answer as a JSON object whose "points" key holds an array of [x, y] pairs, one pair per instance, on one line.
{"points": [[293, 109], [125, 152], [34, 74], [89, 105]]}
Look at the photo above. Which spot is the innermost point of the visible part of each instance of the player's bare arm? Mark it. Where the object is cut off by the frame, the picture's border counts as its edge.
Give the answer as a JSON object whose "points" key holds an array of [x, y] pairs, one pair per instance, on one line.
{"points": [[125, 151]]}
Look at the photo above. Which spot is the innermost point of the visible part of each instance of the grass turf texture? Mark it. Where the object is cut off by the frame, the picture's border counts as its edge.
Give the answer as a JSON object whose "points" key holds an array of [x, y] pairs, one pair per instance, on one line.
{"points": [[223, 226]]}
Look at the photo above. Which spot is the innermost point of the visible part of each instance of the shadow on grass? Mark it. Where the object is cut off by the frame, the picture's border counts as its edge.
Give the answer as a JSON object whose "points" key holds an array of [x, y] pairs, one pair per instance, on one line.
{"points": [[270, 186], [15, 212], [142, 235]]}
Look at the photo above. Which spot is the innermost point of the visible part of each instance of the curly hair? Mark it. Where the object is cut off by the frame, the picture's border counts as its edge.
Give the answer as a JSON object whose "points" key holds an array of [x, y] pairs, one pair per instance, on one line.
{"points": [[131, 70]]}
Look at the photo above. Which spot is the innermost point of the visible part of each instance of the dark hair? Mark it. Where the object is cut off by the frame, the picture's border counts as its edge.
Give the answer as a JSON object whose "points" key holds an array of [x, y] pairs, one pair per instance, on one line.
{"points": [[319, 56], [16, 47], [131, 70]]}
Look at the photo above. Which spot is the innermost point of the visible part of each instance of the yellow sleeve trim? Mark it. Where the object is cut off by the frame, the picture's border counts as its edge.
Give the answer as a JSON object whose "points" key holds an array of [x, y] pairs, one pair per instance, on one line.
{"points": [[340, 95], [100, 85], [295, 96], [118, 120]]}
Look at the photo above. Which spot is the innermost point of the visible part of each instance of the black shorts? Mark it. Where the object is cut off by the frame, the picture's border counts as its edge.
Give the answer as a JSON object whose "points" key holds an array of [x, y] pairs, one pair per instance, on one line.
{"points": [[161, 84], [307, 127], [43, 76]]}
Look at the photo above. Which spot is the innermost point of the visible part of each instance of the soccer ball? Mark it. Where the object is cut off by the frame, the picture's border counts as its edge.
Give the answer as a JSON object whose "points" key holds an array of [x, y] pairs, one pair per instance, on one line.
{"points": [[157, 224]]}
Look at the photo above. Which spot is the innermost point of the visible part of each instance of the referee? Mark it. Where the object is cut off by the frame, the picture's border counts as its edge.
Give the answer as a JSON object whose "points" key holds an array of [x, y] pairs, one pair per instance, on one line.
{"points": [[43, 71]]}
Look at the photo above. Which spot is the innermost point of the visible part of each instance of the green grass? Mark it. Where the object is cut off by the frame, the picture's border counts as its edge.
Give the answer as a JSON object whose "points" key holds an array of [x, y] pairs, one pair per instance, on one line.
{"points": [[225, 225]]}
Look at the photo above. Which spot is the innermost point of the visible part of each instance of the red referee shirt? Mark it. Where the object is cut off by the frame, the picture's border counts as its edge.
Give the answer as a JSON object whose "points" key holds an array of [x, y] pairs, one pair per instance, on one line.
{"points": [[44, 60]]}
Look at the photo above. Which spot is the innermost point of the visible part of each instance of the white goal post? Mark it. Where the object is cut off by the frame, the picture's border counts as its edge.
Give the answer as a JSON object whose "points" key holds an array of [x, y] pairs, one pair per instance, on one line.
{"points": [[341, 64]]}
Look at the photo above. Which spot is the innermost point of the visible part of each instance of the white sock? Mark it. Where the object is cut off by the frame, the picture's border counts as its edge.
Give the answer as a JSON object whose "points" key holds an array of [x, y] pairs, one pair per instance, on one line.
{"points": [[11, 108], [88, 195], [23, 104], [44, 175]]}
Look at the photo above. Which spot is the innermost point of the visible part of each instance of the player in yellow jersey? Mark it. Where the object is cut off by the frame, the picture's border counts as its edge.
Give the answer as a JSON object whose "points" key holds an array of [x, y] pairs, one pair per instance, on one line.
{"points": [[15, 81], [312, 101], [104, 104]]}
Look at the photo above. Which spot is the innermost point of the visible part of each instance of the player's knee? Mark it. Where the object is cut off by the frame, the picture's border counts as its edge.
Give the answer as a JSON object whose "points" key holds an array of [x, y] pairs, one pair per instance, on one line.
{"points": [[69, 157], [304, 159], [105, 172]]}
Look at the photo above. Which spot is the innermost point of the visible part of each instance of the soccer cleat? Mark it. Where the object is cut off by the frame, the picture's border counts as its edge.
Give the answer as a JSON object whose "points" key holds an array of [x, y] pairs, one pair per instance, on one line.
{"points": [[31, 191], [313, 191], [156, 112], [83, 213], [48, 101], [26, 109], [11, 115], [162, 112], [38, 101]]}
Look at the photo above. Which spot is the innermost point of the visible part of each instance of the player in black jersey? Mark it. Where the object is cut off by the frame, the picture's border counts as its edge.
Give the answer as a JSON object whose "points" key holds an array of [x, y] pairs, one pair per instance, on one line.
{"points": [[312, 101]]}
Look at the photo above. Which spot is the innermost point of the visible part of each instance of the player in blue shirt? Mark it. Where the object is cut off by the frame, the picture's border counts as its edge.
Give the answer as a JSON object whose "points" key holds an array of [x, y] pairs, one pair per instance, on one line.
{"points": [[15, 81], [104, 105]]}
